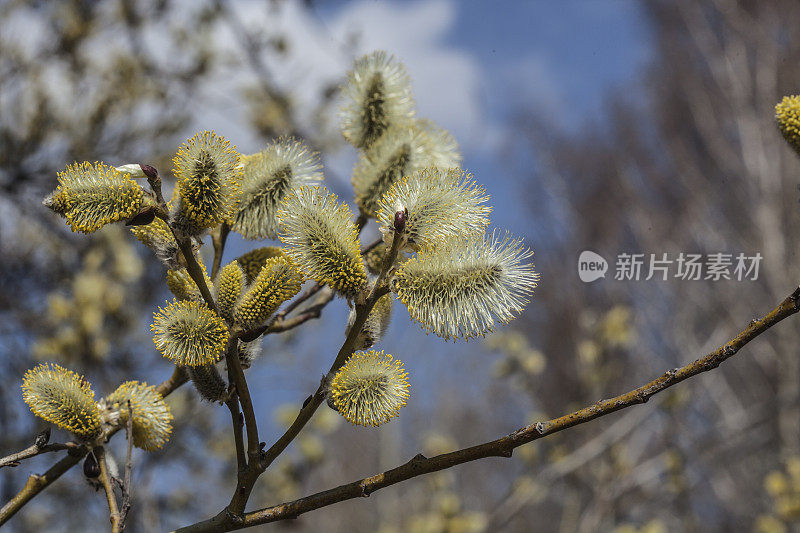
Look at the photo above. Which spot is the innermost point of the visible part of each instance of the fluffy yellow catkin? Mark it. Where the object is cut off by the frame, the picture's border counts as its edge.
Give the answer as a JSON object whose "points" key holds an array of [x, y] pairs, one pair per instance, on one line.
{"points": [[90, 196], [370, 388], [322, 239], [268, 177], [254, 260], [63, 398], [442, 204], [159, 238], [209, 182], [228, 288], [461, 287], [183, 287], [152, 419], [401, 151], [278, 281], [189, 333], [787, 114], [377, 95]]}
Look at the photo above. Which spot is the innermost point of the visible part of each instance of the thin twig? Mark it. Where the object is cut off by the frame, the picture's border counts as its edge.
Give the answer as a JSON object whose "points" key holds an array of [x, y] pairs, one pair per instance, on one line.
{"points": [[246, 480], [108, 486], [312, 312], [194, 269], [237, 418], [126, 484], [503, 447], [36, 483], [362, 312], [34, 450]]}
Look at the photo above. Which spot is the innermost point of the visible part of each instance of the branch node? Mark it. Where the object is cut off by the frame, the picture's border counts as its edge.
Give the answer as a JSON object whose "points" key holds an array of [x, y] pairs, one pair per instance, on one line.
{"points": [[234, 518], [419, 458], [305, 402], [42, 439], [728, 351]]}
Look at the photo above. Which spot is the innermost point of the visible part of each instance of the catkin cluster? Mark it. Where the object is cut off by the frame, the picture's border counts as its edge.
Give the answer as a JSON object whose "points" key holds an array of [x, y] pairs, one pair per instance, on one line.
{"points": [[455, 279]]}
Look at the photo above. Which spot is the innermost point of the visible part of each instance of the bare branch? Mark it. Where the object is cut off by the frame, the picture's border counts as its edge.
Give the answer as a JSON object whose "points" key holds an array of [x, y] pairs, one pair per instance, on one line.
{"points": [[108, 487], [238, 436], [34, 450], [126, 483], [37, 483], [503, 447]]}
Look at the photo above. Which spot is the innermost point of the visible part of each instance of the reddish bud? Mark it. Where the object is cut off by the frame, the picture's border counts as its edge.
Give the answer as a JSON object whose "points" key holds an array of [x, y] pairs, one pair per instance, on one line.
{"points": [[149, 171], [400, 220]]}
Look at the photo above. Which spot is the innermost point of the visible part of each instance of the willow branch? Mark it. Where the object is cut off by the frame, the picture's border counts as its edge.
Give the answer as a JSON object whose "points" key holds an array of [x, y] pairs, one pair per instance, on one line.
{"points": [[34, 450], [237, 418], [126, 483], [369, 247], [37, 483], [312, 312], [108, 487], [246, 479], [194, 269], [504, 446]]}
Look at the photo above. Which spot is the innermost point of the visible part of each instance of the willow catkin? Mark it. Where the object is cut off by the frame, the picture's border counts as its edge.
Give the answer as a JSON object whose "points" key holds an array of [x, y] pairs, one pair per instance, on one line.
{"points": [[278, 281], [322, 239], [401, 151], [189, 334], [377, 95], [440, 204], [209, 175], [268, 177], [151, 417], [460, 288], [370, 388], [90, 196], [63, 398]]}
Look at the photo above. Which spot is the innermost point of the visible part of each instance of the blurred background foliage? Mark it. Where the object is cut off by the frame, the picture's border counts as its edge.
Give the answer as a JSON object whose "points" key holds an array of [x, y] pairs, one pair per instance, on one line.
{"points": [[686, 158]]}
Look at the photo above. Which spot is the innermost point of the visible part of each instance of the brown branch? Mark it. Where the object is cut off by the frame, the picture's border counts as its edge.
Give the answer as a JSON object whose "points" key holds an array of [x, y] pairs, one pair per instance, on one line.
{"points": [[108, 487], [369, 247], [194, 269], [245, 480], [503, 447], [34, 450], [237, 418], [178, 378], [314, 311], [37, 483], [126, 483]]}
